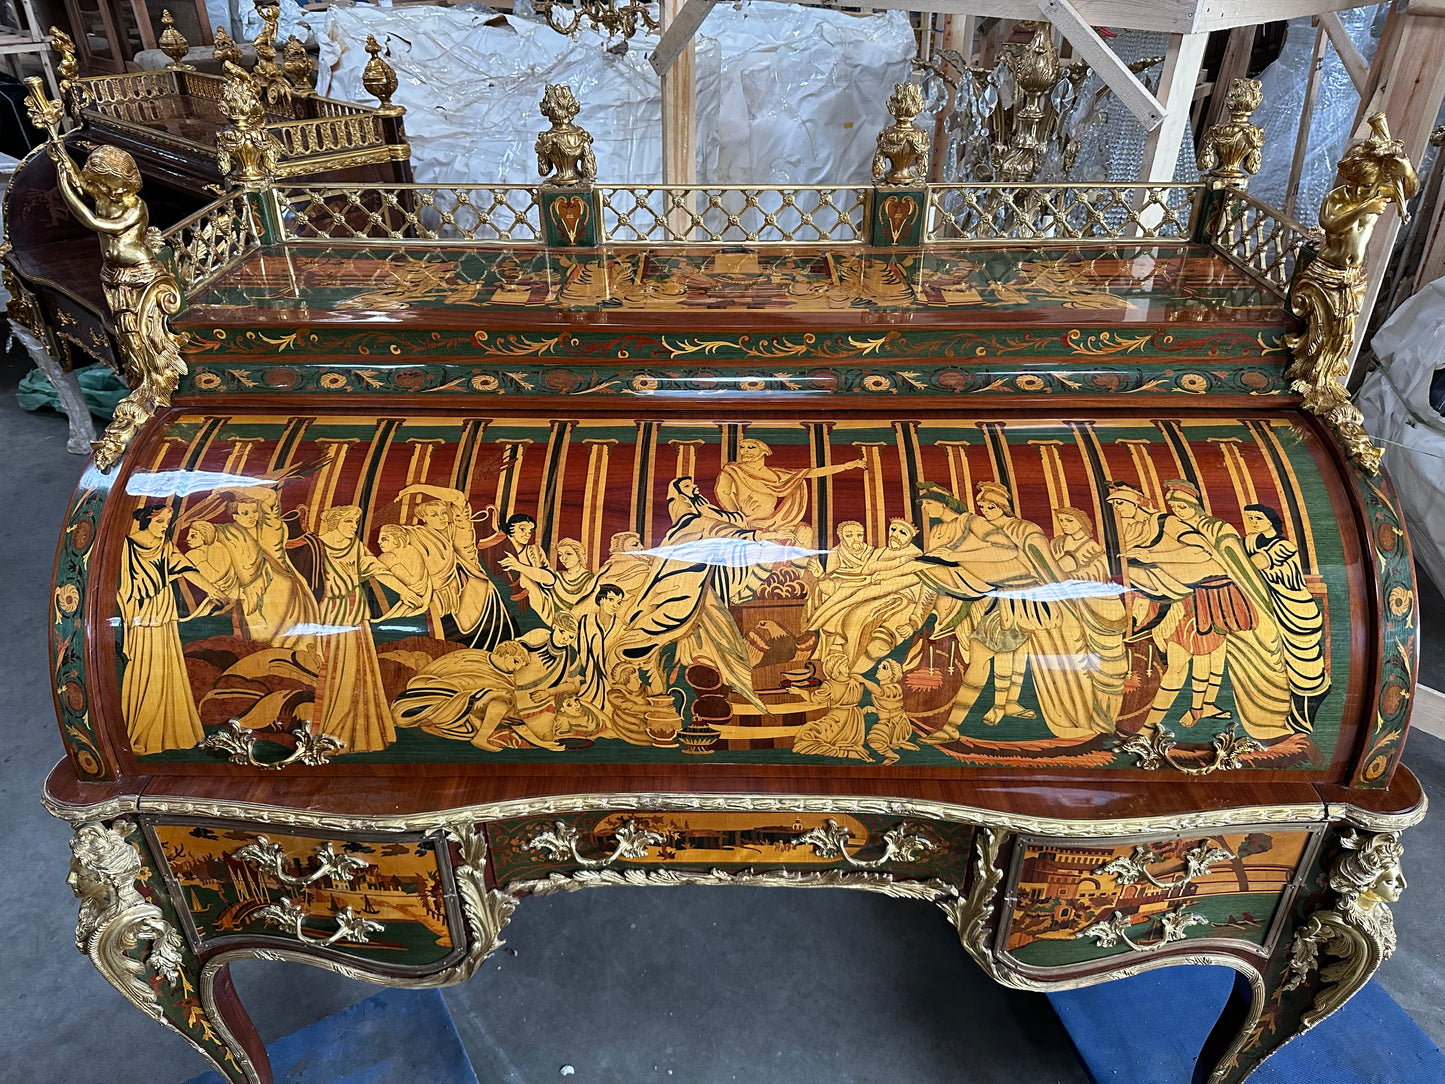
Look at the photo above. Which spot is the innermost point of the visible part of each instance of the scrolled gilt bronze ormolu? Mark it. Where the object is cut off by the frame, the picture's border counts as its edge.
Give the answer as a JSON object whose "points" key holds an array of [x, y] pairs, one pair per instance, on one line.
{"points": [[245, 149], [1359, 930], [141, 291], [173, 43], [1233, 149], [623, 22], [1328, 290], [115, 919], [564, 151], [902, 155], [67, 70]]}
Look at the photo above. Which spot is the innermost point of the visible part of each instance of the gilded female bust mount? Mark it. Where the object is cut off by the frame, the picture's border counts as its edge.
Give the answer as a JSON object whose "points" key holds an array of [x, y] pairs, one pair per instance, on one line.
{"points": [[902, 155], [564, 151]]}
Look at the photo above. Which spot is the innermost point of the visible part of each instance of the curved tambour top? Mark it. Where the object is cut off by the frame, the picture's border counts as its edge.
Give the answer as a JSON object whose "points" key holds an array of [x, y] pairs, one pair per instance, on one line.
{"points": [[930, 514]]}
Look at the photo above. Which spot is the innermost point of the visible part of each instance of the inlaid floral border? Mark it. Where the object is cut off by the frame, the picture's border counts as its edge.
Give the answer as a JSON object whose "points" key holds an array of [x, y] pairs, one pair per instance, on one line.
{"points": [[68, 626]]}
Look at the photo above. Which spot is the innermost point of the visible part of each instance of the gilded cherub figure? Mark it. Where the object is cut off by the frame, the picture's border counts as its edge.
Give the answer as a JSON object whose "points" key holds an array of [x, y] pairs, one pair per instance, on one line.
{"points": [[141, 292], [565, 150], [1233, 148], [1328, 291], [902, 154], [296, 63]]}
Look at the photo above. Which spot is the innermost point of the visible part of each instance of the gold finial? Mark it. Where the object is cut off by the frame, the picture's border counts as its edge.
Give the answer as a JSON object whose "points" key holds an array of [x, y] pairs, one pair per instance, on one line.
{"points": [[1233, 148], [1036, 70], [225, 49], [245, 144], [565, 150], [68, 70], [173, 43], [1328, 293], [141, 292], [379, 79], [902, 154], [296, 63]]}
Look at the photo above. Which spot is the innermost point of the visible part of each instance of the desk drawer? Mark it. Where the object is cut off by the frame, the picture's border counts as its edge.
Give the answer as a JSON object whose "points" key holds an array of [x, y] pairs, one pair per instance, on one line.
{"points": [[1074, 903], [385, 900], [529, 848]]}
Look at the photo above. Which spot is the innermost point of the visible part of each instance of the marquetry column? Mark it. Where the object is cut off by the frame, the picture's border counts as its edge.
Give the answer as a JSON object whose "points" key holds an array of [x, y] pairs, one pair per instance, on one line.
{"points": [[323, 483], [418, 470], [513, 452], [465, 462], [163, 451], [1144, 467], [364, 495], [910, 462], [286, 443], [1093, 452], [686, 465], [644, 456], [1058, 485], [732, 435], [201, 443], [241, 449], [1184, 457], [594, 497], [821, 455], [875, 505], [1238, 470], [958, 474], [998, 452], [549, 500], [1287, 486]]}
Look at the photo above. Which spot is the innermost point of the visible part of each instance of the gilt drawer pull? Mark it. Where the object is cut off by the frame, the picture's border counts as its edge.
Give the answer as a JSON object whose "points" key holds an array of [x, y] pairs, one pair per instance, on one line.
{"points": [[349, 925], [1157, 750], [1172, 925], [239, 745], [1129, 869], [901, 843], [268, 856], [560, 841]]}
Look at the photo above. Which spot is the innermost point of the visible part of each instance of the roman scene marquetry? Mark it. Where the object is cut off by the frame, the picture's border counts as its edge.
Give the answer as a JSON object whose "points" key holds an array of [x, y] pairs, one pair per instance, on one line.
{"points": [[938, 591]]}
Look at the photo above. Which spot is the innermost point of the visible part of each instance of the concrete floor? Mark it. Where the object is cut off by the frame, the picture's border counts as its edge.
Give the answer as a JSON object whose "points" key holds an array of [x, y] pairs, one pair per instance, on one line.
{"points": [[701, 985]]}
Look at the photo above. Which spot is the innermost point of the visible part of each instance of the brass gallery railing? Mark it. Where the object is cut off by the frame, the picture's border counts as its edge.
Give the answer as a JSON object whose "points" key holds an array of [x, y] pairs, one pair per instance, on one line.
{"points": [[213, 238], [1256, 236], [670, 214]]}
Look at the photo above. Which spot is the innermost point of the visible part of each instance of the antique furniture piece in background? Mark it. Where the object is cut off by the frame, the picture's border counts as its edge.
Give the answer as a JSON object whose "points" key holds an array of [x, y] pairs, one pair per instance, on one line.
{"points": [[183, 129], [966, 543]]}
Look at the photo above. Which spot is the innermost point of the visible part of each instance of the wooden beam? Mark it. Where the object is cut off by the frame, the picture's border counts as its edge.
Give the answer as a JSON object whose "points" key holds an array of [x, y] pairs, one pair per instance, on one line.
{"points": [[1233, 65], [679, 114], [1350, 57], [1432, 230], [1132, 94], [1306, 121], [678, 32], [1182, 60]]}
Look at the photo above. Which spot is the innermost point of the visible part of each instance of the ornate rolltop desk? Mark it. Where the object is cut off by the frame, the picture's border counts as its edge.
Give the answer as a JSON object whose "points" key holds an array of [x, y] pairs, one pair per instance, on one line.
{"points": [[1010, 547]]}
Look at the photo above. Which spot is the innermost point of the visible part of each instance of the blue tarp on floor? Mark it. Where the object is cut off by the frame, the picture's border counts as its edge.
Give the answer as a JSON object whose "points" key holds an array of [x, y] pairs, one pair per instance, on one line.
{"points": [[394, 1037], [1148, 1030]]}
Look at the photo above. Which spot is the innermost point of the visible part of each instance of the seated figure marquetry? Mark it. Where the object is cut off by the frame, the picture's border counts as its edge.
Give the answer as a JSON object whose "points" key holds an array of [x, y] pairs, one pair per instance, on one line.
{"points": [[1018, 577]]}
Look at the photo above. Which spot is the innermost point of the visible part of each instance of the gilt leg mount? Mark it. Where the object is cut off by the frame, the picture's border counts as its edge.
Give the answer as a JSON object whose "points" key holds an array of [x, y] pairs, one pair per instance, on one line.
{"points": [[1328, 299], [141, 299]]}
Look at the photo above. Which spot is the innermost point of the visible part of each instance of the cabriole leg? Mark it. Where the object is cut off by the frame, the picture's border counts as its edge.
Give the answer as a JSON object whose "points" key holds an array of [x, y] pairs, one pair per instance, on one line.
{"points": [[1332, 952], [67, 387], [128, 930]]}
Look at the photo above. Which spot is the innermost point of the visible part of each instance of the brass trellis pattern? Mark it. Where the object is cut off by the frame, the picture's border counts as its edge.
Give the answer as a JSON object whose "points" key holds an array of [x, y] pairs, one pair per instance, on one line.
{"points": [[210, 240], [412, 213], [1257, 237], [758, 215], [1060, 212], [134, 87]]}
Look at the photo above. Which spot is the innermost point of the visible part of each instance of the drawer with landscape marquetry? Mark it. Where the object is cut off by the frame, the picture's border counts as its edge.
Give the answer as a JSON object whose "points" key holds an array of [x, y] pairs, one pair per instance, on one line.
{"points": [[531, 849], [388, 901], [1075, 904]]}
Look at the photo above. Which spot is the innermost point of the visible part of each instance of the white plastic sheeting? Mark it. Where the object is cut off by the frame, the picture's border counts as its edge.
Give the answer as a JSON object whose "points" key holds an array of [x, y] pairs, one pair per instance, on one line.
{"points": [[785, 95], [1283, 86], [1395, 400]]}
